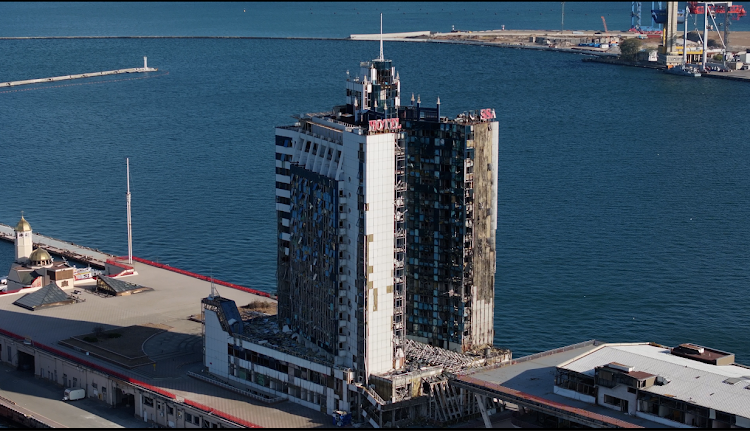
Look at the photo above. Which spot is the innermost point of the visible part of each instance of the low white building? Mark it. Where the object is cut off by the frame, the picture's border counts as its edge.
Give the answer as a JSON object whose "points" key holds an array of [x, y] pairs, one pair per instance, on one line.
{"points": [[685, 386], [256, 355]]}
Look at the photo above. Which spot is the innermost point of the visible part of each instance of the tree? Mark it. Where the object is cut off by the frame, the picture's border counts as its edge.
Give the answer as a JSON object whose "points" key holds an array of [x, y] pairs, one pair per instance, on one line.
{"points": [[629, 48]]}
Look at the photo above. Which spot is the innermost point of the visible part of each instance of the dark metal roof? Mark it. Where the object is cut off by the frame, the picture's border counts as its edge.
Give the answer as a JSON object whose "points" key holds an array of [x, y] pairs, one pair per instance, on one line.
{"points": [[47, 296], [229, 308]]}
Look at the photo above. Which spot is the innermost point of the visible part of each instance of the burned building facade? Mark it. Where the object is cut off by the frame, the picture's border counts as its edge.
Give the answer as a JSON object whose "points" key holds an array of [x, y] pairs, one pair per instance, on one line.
{"points": [[387, 218], [451, 206]]}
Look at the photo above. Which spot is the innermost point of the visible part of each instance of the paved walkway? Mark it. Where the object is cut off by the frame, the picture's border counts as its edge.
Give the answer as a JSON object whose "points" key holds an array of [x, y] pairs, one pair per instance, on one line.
{"points": [[44, 397], [737, 75]]}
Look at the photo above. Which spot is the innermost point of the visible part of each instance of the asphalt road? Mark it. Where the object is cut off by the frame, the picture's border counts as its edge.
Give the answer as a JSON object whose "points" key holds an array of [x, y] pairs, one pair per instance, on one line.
{"points": [[44, 397]]}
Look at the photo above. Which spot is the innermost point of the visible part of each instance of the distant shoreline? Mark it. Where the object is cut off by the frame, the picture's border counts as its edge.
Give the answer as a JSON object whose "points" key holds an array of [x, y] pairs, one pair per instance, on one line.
{"points": [[517, 39], [169, 37]]}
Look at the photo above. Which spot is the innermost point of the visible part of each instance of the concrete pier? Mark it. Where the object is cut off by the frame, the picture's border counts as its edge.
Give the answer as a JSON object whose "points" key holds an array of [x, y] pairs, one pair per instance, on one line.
{"points": [[735, 75], [82, 75], [519, 39], [95, 258]]}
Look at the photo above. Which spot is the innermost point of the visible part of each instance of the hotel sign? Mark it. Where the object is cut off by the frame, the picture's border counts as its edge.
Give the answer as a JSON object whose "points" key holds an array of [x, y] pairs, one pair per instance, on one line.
{"points": [[487, 114], [386, 125]]}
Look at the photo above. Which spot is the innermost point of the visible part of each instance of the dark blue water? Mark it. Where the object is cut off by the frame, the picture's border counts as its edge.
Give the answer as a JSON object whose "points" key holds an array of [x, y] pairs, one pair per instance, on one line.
{"points": [[294, 19], [624, 193]]}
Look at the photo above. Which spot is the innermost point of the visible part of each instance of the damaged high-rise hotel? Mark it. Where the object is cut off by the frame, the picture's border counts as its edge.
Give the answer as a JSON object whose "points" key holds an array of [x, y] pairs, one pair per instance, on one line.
{"points": [[386, 257]]}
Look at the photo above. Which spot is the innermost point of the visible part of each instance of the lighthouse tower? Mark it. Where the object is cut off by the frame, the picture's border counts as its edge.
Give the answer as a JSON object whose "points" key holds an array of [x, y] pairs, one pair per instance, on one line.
{"points": [[23, 241]]}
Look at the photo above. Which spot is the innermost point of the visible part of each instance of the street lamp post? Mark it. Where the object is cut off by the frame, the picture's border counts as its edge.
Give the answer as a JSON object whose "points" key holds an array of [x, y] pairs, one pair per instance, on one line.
{"points": [[562, 18]]}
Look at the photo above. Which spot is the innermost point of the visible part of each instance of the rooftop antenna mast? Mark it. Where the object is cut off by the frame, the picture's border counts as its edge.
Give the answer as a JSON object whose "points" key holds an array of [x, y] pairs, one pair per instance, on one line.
{"points": [[381, 37], [130, 227]]}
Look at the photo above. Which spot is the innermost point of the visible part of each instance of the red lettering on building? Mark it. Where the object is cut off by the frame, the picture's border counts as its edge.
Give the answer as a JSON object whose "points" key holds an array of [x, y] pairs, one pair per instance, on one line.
{"points": [[388, 124], [487, 114]]}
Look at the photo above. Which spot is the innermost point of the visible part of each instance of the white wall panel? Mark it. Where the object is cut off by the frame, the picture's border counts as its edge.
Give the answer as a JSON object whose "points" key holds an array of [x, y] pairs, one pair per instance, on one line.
{"points": [[216, 358]]}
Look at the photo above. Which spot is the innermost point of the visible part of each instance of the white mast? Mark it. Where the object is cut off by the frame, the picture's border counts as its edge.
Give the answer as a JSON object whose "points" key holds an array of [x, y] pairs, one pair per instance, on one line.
{"points": [[705, 33], [684, 37], [130, 228], [381, 37]]}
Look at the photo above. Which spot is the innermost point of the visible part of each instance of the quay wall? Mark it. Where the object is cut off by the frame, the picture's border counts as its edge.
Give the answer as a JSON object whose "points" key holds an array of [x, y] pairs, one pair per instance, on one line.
{"points": [[23, 417]]}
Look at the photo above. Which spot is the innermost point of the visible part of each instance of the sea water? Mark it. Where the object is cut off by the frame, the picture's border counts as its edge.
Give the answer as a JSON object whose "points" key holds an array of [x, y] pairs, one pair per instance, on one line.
{"points": [[623, 192]]}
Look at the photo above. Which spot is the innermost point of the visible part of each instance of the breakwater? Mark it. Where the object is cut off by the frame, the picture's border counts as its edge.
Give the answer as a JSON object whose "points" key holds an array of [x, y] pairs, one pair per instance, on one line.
{"points": [[424, 36], [77, 76]]}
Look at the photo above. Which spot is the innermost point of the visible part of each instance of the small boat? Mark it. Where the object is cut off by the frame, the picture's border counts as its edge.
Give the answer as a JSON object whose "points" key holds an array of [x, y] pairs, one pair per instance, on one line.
{"points": [[684, 70], [86, 273]]}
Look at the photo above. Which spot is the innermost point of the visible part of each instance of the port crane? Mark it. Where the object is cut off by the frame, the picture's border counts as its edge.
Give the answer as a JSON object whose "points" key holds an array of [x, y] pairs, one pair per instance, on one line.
{"points": [[604, 21], [730, 11], [635, 19], [658, 16], [735, 12]]}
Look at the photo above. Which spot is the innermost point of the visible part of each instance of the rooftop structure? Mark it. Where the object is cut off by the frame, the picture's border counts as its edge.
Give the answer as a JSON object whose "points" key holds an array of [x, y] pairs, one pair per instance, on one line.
{"points": [[48, 296], [37, 268], [620, 385], [528, 382], [115, 287]]}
